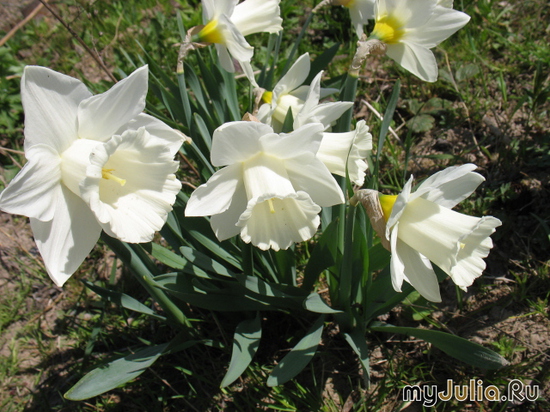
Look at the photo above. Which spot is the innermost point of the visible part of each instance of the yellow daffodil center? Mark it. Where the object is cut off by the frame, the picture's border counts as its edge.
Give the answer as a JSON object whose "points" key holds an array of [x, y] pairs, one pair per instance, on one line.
{"points": [[387, 202], [267, 97], [211, 33], [107, 175], [388, 29]]}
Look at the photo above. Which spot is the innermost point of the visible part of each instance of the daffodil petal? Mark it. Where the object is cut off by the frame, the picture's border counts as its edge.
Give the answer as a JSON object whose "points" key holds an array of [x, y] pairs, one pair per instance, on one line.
{"points": [[224, 224], [450, 186], [296, 75], [50, 100], [315, 179], [274, 222], [417, 270], [134, 209], [157, 129], [443, 23], [304, 141], [361, 11], [236, 141], [65, 241], [216, 195], [34, 190], [100, 116], [417, 59], [256, 16]]}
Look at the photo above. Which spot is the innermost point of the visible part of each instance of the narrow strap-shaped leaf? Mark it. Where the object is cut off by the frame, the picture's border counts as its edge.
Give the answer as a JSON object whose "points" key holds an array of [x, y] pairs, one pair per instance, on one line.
{"points": [[298, 358], [314, 303], [245, 343], [322, 257], [115, 373], [322, 61], [455, 346], [358, 343], [123, 300]]}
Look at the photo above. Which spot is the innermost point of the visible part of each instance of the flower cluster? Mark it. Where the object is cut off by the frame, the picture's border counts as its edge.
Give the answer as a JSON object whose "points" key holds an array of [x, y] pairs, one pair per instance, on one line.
{"points": [[98, 163]]}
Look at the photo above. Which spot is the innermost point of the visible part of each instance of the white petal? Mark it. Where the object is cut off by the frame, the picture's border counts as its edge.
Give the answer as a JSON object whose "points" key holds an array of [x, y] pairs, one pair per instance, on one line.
{"points": [[135, 210], [235, 42], [361, 11], [216, 195], [65, 241], [399, 205], [324, 113], [255, 16], [236, 141], [278, 222], [35, 189], [304, 141], [453, 241], [417, 59], [418, 272], [315, 179], [469, 262], [442, 23], [450, 186], [224, 224], [295, 77], [172, 138], [100, 116], [226, 61], [50, 101]]}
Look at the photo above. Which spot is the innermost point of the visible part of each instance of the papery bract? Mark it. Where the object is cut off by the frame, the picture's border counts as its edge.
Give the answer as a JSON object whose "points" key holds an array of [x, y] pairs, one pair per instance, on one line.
{"points": [[271, 188], [411, 28], [421, 227], [94, 162], [227, 23]]}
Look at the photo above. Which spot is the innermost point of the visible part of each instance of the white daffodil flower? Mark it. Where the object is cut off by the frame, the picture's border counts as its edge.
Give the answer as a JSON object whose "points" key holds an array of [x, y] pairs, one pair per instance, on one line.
{"points": [[341, 151], [271, 188], [227, 23], [360, 12], [411, 28], [303, 101], [94, 162], [421, 227]]}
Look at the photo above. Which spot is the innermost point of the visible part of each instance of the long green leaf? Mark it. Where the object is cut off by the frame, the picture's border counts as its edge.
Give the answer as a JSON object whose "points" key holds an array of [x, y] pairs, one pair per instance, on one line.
{"points": [[115, 373], [455, 346], [314, 303], [245, 343], [358, 343], [123, 300], [298, 358]]}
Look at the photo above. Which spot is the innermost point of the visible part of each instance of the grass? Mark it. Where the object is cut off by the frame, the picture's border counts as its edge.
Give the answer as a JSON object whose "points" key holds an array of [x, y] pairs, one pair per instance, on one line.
{"points": [[489, 107]]}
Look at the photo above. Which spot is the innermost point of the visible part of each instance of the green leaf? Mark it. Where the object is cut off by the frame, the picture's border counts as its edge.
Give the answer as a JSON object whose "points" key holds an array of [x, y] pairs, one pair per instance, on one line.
{"points": [[123, 300], [381, 297], [421, 123], [245, 343], [455, 346], [298, 358], [115, 373], [322, 257], [314, 303], [466, 72], [358, 343]]}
